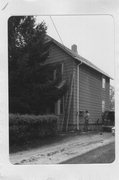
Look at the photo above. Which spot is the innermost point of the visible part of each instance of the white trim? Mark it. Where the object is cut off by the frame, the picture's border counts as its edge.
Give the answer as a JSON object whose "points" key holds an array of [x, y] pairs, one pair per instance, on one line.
{"points": [[103, 105], [58, 107], [103, 82]]}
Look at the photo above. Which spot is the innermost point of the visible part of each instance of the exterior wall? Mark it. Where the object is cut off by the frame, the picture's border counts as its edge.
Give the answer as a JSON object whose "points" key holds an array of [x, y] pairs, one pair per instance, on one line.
{"points": [[91, 93], [105, 93], [73, 117], [57, 55]]}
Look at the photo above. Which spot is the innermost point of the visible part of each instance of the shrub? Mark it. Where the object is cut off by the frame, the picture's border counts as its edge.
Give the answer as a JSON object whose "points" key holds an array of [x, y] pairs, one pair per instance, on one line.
{"points": [[23, 128]]}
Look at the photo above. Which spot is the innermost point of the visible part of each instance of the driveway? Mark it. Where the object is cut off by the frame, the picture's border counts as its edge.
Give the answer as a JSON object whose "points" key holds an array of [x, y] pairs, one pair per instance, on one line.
{"points": [[62, 150]]}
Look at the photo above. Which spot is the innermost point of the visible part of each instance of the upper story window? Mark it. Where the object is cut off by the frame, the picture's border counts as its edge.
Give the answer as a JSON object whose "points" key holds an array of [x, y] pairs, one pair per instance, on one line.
{"points": [[58, 72], [103, 82]]}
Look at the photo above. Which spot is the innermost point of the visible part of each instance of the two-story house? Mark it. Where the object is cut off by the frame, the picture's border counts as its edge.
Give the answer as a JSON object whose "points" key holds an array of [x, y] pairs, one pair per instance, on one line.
{"points": [[88, 88]]}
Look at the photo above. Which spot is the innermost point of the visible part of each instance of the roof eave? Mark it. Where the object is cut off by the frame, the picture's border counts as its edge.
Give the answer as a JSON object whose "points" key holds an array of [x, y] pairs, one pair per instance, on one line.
{"points": [[76, 58]]}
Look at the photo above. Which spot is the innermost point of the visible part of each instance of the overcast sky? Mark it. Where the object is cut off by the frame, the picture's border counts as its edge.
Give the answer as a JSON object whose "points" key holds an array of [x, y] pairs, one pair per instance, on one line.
{"points": [[93, 35]]}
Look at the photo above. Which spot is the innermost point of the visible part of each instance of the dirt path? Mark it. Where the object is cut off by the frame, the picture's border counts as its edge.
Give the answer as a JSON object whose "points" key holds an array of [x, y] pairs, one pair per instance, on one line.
{"points": [[61, 151]]}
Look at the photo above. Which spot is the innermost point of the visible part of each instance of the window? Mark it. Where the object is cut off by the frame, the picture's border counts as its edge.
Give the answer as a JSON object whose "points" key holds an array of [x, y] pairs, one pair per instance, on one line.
{"points": [[103, 106], [60, 106], [58, 72], [103, 82]]}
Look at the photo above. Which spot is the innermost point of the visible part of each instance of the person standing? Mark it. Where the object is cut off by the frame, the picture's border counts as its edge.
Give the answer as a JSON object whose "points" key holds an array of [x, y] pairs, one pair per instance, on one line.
{"points": [[86, 118]]}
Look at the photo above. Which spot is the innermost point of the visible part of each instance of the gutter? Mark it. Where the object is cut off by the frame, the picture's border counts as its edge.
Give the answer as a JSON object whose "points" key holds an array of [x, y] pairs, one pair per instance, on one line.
{"points": [[78, 90], [68, 51]]}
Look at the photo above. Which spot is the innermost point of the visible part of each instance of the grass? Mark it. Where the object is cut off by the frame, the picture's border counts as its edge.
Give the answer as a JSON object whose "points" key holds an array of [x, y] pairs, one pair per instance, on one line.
{"points": [[36, 143]]}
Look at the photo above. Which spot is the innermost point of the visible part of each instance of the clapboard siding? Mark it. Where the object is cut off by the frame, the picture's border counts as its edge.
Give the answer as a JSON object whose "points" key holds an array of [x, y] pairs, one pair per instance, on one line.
{"points": [[75, 94], [57, 55], [90, 96], [105, 93], [91, 92]]}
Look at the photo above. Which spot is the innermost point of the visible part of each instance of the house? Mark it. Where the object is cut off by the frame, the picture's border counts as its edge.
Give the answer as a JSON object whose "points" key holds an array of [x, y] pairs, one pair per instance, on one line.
{"points": [[88, 88]]}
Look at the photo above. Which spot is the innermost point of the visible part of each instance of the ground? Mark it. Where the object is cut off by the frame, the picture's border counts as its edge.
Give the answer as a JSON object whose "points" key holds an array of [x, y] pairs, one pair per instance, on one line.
{"points": [[67, 148], [105, 154]]}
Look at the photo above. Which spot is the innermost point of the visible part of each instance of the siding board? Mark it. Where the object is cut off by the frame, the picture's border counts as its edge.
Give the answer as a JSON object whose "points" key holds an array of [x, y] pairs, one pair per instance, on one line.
{"points": [[91, 92], [57, 55]]}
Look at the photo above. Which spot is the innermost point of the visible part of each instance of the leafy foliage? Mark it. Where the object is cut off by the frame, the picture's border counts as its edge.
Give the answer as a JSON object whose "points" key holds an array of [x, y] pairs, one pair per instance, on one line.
{"points": [[112, 98], [31, 89], [23, 128]]}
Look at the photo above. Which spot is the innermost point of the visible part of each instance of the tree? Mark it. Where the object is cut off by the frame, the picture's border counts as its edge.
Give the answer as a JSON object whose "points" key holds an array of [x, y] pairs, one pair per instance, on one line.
{"points": [[31, 90], [112, 98]]}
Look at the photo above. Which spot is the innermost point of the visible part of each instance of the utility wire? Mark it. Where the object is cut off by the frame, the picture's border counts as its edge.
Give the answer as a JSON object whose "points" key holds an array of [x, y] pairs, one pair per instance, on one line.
{"points": [[56, 30]]}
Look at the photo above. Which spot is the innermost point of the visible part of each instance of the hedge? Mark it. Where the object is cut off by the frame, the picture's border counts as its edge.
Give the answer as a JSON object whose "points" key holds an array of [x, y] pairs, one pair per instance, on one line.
{"points": [[23, 128]]}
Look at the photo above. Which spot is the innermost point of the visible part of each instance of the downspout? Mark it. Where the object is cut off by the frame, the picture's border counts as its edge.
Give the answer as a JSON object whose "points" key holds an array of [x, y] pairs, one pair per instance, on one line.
{"points": [[78, 89]]}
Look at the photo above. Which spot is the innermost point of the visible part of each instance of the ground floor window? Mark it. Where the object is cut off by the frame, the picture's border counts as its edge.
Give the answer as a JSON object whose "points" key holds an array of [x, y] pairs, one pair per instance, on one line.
{"points": [[56, 108], [103, 106], [60, 106]]}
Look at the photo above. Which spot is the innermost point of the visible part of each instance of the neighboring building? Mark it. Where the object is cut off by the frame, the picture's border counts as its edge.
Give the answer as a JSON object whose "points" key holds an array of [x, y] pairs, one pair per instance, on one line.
{"points": [[88, 88]]}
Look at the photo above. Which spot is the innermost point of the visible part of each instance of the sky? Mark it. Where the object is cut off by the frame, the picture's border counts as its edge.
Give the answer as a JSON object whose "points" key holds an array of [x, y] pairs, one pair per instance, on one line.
{"points": [[93, 35]]}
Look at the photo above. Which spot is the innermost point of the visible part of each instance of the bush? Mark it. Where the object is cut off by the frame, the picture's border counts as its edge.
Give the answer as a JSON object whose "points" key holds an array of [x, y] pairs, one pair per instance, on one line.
{"points": [[23, 128]]}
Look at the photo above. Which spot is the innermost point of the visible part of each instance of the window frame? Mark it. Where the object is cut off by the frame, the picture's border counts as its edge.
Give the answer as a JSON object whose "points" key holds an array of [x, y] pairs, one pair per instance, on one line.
{"points": [[62, 70], [103, 106], [103, 82]]}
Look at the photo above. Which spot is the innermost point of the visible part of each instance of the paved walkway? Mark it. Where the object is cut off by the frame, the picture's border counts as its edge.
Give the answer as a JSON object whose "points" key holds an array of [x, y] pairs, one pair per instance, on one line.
{"points": [[63, 150]]}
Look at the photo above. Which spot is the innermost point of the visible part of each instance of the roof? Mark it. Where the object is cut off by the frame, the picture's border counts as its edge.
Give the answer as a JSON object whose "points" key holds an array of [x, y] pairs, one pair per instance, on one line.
{"points": [[77, 56]]}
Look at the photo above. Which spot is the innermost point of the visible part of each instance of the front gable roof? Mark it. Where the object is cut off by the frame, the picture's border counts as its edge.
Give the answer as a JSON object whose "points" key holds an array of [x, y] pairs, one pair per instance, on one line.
{"points": [[76, 56]]}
